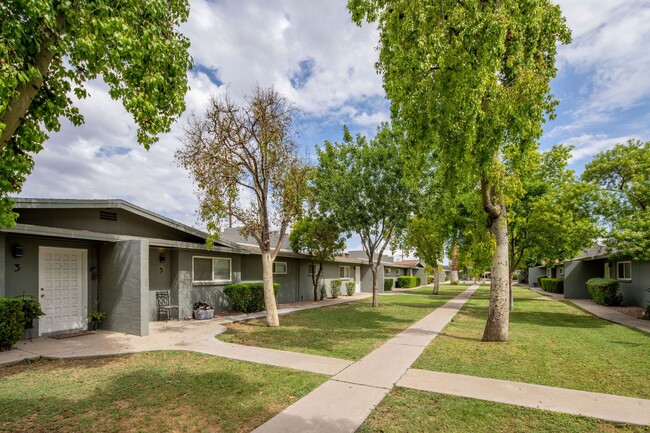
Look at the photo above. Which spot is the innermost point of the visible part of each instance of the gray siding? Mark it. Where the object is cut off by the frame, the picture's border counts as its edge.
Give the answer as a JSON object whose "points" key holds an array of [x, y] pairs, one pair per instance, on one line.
{"points": [[124, 283], [534, 273], [634, 291], [188, 292], [160, 279], [576, 274]]}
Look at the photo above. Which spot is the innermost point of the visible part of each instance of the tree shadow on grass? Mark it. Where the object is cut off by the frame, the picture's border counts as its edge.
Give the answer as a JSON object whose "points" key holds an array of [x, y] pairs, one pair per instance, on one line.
{"points": [[152, 399]]}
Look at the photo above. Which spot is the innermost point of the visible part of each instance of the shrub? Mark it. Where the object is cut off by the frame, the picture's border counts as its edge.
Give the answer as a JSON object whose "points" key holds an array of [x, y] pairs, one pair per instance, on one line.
{"points": [[430, 280], [12, 322], [604, 291], [388, 284], [350, 287], [418, 281], [248, 297], [335, 288], [323, 291], [539, 280], [31, 310], [406, 282], [553, 285]]}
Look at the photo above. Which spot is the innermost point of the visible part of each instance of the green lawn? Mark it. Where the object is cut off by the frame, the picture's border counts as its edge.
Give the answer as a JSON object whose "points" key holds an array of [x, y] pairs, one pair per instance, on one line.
{"points": [[348, 331], [445, 290], [405, 410], [551, 343], [146, 392]]}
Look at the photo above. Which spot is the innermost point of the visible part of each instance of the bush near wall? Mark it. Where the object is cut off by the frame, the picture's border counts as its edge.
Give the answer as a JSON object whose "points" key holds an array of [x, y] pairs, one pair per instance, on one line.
{"points": [[553, 285], [418, 281], [12, 322], [407, 282], [350, 287], [539, 280], [604, 291], [388, 284], [335, 288], [248, 297]]}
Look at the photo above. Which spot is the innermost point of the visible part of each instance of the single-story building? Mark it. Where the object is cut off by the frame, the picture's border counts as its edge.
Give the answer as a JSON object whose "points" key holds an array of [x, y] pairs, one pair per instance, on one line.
{"points": [[81, 256], [597, 262]]}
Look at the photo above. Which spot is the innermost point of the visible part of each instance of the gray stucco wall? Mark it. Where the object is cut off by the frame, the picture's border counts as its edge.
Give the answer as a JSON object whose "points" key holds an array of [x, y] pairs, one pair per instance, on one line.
{"points": [[124, 286], [160, 279], [534, 273], [634, 291], [21, 274], [576, 274]]}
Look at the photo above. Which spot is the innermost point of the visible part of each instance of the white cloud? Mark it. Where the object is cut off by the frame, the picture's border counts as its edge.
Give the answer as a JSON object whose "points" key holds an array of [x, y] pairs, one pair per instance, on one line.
{"points": [[588, 145]]}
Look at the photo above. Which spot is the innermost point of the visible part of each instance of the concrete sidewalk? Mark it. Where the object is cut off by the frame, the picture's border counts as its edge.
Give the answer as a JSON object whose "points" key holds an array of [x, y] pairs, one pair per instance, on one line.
{"points": [[345, 401], [603, 406], [192, 335], [601, 311]]}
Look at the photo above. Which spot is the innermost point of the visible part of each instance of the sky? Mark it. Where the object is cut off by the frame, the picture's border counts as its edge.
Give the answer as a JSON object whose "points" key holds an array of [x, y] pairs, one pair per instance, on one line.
{"points": [[313, 53]]}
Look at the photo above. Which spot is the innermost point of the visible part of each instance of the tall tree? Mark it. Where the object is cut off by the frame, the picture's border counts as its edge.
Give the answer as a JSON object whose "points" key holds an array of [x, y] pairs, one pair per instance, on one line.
{"points": [[623, 177], [319, 237], [361, 184], [471, 79], [50, 48], [426, 236], [244, 161]]}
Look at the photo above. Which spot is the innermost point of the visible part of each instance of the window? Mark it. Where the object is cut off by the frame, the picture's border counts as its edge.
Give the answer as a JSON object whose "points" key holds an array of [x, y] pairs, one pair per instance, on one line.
{"points": [[211, 270], [280, 268], [344, 272], [396, 271], [560, 270], [387, 271], [549, 272], [312, 269], [624, 271]]}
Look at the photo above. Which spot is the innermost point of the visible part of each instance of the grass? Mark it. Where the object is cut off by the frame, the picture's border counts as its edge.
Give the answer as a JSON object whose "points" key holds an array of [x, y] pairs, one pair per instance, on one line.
{"points": [[347, 331], [551, 343], [146, 392], [445, 290], [405, 410]]}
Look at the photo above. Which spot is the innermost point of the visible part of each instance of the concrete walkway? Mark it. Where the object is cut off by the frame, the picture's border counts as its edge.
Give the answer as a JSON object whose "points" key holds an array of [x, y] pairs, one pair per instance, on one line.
{"points": [[603, 406], [600, 311], [192, 335], [345, 401]]}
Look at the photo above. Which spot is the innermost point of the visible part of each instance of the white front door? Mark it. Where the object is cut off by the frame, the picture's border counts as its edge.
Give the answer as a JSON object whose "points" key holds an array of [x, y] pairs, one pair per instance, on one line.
{"points": [[62, 283], [357, 278]]}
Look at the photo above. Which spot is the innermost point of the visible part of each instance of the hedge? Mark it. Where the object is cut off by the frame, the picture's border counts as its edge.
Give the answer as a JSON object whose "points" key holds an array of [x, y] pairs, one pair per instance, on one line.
{"points": [[407, 282], [553, 285], [604, 291], [539, 280], [350, 287], [388, 284], [12, 322], [248, 297]]}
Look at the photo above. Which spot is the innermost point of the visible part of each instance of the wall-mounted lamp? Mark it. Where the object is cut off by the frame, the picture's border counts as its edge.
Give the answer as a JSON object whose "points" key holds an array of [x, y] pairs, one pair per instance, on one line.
{"points": [[17, 251], [162, 258]]}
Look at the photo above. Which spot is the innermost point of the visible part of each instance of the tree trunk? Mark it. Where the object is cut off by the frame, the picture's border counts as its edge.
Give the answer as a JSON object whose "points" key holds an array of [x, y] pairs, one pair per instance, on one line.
{"points": [[454, 264], [436, 280], [315, 279], [496, 328], [269, 296], [375, 285]]}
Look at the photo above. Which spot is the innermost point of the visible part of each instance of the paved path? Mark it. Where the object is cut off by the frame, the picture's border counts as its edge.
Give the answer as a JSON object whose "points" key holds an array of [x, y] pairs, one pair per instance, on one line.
{"points": [[342, 403], [601, 311], [603, 406]]}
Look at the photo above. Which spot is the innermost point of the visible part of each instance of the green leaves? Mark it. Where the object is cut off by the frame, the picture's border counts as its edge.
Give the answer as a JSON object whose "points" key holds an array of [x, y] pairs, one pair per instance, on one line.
{"points": [[133, 45]]}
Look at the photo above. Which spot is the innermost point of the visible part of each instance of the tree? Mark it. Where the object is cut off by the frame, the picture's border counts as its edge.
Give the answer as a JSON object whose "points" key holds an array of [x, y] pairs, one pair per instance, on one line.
{"points": [[243, 160], [361, 185], [50, 48], [427, 238], [622, 175], [471, 79], [321, 239]]}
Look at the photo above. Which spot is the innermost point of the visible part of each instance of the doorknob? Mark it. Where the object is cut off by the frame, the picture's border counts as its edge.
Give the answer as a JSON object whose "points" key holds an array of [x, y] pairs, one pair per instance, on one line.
{"points": [[42, 295]]}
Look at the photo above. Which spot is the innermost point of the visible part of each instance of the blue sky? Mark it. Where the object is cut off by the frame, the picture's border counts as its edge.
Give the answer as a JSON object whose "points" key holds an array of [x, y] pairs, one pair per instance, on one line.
{"points": [[312, 53]]}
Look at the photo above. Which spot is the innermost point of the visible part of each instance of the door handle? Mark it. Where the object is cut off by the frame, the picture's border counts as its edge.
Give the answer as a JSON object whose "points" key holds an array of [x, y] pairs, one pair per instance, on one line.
{"points": [[43, 295]]}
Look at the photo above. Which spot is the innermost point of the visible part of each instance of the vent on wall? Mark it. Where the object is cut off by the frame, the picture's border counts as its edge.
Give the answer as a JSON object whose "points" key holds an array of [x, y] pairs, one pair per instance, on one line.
{"points": [[107, 215]]}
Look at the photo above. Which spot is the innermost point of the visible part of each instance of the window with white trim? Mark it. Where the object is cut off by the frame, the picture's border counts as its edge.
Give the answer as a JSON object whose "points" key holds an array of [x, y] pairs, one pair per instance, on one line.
{"points": [[624, 271], [396, 271], [560, 270], [211, 269], [387, 271], [549, 272], [280, 268], [344, 272]]}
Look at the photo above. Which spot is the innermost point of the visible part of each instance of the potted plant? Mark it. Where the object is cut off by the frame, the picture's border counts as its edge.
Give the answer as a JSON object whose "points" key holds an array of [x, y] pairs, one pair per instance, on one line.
{"points": [[203, 311], [94, 319]]}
